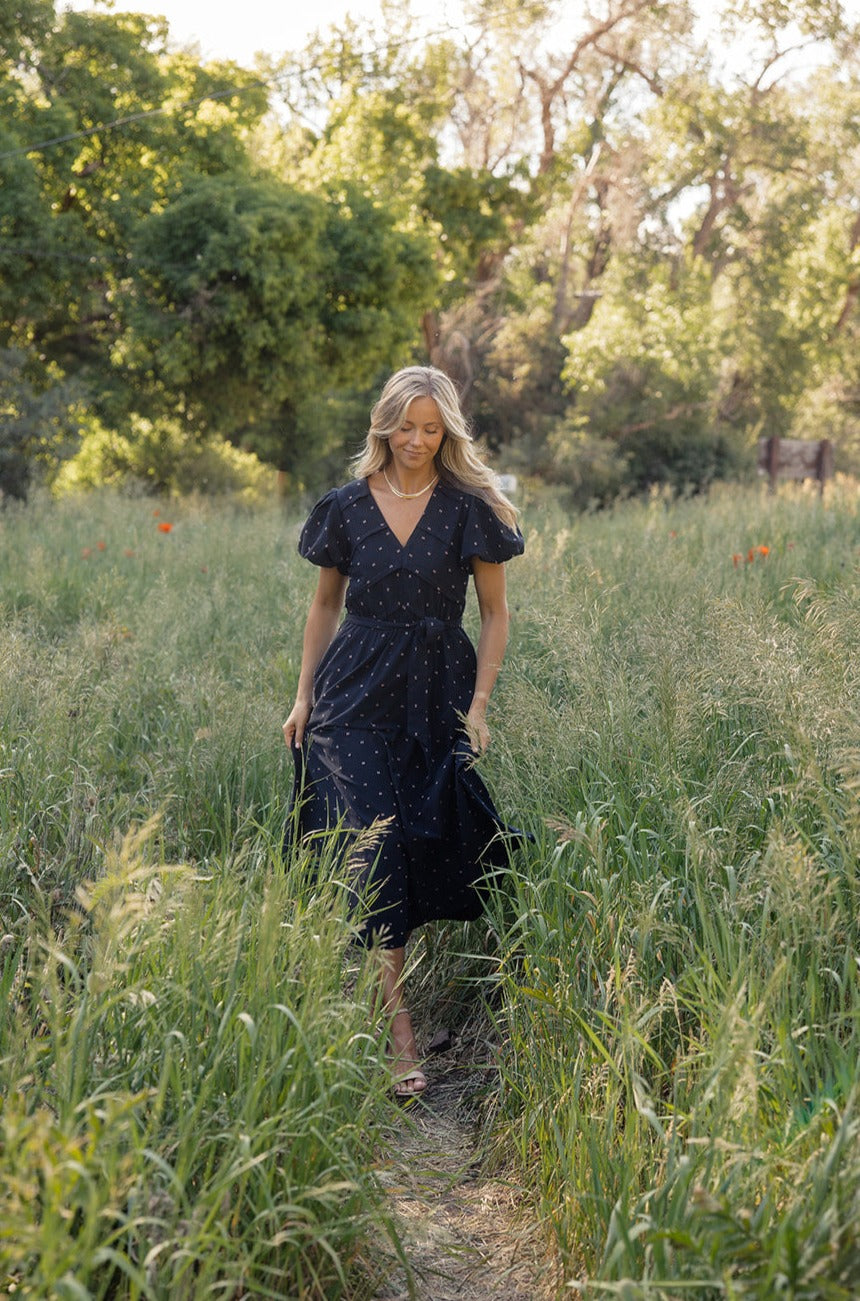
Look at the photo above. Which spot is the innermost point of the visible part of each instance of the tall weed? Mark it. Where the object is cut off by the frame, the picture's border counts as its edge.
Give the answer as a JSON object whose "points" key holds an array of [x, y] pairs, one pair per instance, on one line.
{"points": [[677, 989], [192, 1083]]}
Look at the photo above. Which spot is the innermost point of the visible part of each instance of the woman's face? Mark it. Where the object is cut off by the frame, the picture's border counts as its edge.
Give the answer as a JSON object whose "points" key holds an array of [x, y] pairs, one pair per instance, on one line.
{"points": [[414, 445]]}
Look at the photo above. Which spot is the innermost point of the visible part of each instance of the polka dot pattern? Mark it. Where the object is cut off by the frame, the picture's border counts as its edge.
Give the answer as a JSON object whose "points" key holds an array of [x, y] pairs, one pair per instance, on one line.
{"points": [[384, 744]]}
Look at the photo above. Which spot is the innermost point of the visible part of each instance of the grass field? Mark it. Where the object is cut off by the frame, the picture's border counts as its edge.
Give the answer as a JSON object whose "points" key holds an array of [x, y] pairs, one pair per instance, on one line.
{"points": [[193, 1092]]}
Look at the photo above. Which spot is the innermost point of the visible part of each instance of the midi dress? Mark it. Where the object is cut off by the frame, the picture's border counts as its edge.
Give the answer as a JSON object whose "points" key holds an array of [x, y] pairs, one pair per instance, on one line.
{"points": [[385, 745]]}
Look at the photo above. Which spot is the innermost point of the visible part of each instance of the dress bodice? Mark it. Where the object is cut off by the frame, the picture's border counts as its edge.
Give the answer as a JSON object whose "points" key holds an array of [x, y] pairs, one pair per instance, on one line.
{"points": [[428, 575]]}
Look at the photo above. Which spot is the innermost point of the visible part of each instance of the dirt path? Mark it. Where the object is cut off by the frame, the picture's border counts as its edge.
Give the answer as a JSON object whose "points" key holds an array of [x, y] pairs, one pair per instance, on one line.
{"points": [[468, 1238]]}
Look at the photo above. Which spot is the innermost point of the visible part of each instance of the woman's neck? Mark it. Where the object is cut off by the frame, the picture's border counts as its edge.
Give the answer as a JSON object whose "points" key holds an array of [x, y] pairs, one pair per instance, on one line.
{"points": [[408, 481]]}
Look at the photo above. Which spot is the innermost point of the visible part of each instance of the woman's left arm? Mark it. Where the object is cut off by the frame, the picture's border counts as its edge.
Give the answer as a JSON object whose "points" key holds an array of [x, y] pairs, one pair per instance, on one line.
{"points": [[493, 605]]}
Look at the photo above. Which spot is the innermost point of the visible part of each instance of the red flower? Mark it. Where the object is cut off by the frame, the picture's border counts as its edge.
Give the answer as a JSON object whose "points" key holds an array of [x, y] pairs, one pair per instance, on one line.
{"points": [[751, 555], [736, 559], [128, 552], [763, 551], [164, 527], [101, 545], [86, 552]]}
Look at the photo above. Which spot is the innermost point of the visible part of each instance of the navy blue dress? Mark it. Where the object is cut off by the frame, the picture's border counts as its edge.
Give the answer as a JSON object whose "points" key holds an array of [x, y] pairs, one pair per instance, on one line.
{"points": [[384, 743]]}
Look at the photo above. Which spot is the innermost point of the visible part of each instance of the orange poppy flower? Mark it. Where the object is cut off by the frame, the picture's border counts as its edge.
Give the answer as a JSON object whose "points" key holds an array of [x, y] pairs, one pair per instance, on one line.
{"points": [[128, 552], [751, 555], [101, 545], [763, 551], [156, 513], [736, 559], [86, 552], [164, 527]]}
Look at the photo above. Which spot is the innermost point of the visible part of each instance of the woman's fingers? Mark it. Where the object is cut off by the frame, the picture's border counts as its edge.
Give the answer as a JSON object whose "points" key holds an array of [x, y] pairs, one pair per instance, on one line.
{"points": [[478, 732], [294, 727], [293, 733]]}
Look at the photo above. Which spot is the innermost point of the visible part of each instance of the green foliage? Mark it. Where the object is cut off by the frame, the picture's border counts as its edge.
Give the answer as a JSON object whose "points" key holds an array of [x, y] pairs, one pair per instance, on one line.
{"points": [[677, 984], [22, 28], [252, 297], [197, 1109], [546, 182], [378, 277], [671, 968], [646, 373], [228, 278], [38, 421], [477, 212], [158, 268], [193, 1089], [160, 458]]}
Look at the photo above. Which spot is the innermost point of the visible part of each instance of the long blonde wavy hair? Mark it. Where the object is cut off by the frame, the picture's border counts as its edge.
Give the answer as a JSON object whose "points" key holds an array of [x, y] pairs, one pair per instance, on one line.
{"points": [[457, 463]]}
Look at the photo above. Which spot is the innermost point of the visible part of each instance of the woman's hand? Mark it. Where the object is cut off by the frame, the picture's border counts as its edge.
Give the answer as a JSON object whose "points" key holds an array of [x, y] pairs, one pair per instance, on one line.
{"points": [[294, 727], [493, 605], [476, 728], [320, 628]]}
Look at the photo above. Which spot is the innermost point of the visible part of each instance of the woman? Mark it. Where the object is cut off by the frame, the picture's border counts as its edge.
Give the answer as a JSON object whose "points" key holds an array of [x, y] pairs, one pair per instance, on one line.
{"points": [[377, 724]]}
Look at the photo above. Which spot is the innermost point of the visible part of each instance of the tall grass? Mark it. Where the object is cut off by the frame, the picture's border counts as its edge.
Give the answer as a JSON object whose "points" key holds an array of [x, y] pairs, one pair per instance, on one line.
{"points": [[191, 1098], [678, 969], [193, 1091], [193, 1095]]}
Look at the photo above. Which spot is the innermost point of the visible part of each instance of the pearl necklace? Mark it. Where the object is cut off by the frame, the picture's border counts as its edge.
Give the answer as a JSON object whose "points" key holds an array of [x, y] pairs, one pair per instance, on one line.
{"points": [[407, 496]]}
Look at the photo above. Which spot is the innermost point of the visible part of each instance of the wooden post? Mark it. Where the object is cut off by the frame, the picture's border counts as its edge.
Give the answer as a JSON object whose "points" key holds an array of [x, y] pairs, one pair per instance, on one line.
{"points": [[772, 461], [795, 458], [823, 464]]}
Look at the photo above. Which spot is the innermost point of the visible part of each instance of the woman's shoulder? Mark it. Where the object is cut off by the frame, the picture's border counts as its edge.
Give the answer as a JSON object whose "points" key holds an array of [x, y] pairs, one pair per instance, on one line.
{"points": [[468, 501], [346, 493], [340, 499], [351, 490], [459, 498], [484, 534]]}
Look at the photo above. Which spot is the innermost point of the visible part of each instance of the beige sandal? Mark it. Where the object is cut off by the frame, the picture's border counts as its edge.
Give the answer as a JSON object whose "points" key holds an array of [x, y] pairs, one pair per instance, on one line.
{"points": [[412, 1081]]}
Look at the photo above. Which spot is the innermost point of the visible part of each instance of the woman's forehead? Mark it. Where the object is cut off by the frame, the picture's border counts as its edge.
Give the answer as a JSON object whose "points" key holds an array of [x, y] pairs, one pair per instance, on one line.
{"points": [[423, 411]]}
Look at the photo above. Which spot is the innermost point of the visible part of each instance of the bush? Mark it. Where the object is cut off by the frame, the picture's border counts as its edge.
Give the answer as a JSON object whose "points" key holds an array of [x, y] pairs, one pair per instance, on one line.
{"points": [[160, 457], [37, 420]]}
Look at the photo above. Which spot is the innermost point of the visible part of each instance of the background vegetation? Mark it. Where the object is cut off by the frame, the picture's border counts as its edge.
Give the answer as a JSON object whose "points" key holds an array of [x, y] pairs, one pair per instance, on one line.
{"points": [[633, 240], [193, 1100], [632, 236]]}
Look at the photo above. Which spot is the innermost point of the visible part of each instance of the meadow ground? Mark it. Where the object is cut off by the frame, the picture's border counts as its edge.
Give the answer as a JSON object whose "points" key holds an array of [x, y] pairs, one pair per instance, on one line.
{"points": [[664, 991]]}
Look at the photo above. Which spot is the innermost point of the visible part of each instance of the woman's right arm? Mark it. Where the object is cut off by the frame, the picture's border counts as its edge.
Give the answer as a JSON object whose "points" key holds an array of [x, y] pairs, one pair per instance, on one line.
{"points": [[320, 629]]}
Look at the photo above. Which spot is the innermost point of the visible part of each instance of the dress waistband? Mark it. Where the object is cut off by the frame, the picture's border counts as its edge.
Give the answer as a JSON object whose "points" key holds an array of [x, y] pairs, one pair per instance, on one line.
{"points": [[428, 623]]}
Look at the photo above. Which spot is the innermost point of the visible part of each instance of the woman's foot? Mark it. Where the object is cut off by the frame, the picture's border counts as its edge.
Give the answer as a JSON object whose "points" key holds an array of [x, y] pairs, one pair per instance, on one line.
{"points": [[408, 1078]]}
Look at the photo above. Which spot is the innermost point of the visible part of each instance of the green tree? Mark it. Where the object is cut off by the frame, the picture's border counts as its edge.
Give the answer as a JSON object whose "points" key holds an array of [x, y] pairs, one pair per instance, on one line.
{"points": [[37, 421], [249, 298], [102, 128], [144, 251]]}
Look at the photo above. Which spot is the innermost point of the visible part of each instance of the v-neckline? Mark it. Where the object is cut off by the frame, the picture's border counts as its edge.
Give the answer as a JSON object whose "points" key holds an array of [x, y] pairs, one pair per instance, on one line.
{"points": [[416, 526]]}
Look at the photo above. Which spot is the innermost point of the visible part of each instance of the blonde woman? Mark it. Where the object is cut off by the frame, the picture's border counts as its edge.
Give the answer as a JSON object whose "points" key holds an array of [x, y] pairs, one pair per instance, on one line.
{"points": [[378, 717]]}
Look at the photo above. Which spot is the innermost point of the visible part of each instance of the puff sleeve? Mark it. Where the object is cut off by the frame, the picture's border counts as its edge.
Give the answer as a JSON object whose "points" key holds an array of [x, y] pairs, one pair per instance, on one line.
{"points": [[486, 536], [323, 539]]}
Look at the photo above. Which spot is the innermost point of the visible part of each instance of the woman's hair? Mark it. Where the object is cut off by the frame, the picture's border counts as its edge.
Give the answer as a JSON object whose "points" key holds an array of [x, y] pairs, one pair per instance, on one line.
{"points": [[457, 462]]}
